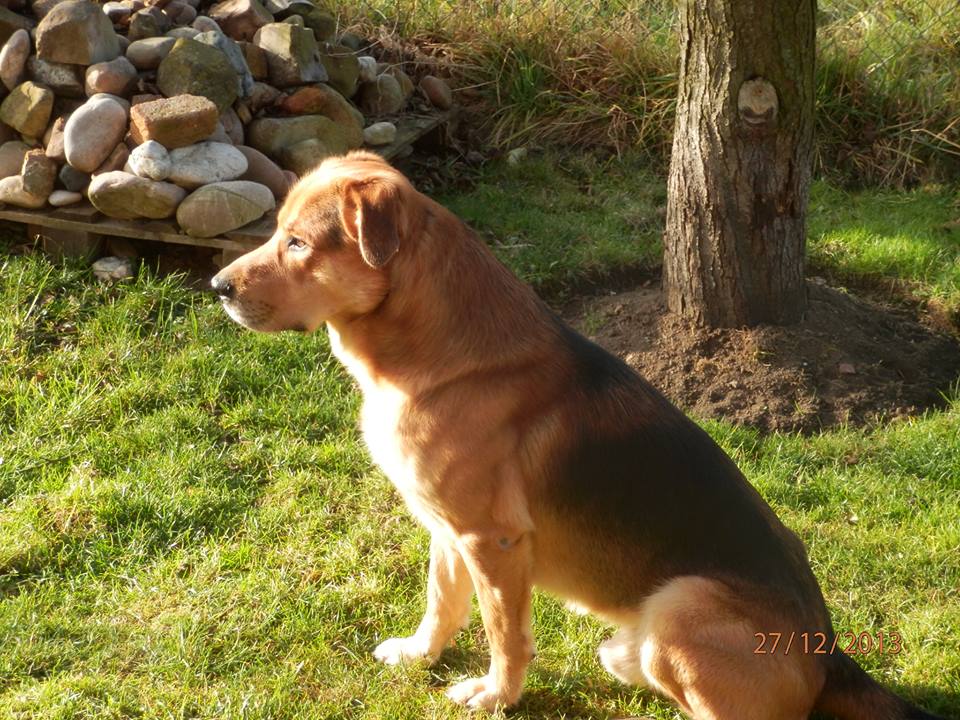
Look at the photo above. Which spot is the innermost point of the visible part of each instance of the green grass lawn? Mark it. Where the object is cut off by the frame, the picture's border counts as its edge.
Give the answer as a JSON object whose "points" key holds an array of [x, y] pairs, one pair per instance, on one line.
{"points": [[191, 528]]}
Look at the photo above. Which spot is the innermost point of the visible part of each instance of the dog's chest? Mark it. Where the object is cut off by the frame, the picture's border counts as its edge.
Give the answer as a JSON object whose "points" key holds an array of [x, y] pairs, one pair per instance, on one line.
{"points": [[382, 420]]}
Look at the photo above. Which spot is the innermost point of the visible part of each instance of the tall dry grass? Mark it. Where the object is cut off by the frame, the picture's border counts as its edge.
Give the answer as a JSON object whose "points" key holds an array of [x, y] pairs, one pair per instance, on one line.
{"points": [[603, 73]]}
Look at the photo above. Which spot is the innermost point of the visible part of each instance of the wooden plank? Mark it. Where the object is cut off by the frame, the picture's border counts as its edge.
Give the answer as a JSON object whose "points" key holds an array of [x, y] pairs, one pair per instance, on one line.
{"points": [[411, 128], [82, 211], [158, 230], [60, 243]]}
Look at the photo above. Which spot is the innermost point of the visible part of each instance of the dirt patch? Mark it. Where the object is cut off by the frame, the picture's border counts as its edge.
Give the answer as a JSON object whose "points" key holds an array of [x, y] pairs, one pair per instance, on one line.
{"points": [[851, 360]]}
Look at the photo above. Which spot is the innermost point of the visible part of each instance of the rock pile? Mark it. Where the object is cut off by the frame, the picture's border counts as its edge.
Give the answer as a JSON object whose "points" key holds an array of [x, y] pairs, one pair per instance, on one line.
{"points": [[201, 110]]}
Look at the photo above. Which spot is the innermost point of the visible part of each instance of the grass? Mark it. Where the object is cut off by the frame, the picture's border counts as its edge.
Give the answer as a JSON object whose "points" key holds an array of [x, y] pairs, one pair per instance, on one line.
{"points": [[586, 218], [179, 539], [605, 74]]}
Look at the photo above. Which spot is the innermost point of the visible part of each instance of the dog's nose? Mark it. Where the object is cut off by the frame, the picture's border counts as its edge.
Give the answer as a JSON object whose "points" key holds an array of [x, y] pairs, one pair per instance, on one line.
{"points": [[222, 287]]}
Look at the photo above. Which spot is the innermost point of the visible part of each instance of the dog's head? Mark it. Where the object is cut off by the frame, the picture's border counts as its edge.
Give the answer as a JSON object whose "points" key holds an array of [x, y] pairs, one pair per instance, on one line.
{"points": [[337, 232]]}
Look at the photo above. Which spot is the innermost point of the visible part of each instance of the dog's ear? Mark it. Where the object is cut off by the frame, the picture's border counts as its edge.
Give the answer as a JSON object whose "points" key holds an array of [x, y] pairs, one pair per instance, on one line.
{"points": [[370, 211]]}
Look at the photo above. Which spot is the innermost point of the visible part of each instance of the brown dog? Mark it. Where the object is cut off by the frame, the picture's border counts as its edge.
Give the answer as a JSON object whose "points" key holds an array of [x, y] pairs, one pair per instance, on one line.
{"points": [[536, 458]]}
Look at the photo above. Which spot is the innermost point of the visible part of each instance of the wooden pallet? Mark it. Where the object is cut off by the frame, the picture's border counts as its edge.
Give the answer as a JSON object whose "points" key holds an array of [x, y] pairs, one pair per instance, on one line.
{"points": [[78, 230]]}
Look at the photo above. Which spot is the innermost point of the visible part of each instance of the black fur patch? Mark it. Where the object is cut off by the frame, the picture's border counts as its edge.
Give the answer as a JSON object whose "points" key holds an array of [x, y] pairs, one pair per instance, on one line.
{"points": [[645, 479]]}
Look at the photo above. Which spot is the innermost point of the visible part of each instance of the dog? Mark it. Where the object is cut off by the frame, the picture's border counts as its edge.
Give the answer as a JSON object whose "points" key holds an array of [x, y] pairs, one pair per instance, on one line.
{"points": [[535, 458]]}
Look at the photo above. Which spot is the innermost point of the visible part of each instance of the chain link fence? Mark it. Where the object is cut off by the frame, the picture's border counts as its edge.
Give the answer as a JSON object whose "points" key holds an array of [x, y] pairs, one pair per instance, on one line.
{"points": [[603, 72]]}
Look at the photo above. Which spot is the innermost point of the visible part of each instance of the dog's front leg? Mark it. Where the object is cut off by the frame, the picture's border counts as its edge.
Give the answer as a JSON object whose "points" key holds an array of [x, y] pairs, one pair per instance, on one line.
{"points": [[449, 590], [501, 568]]}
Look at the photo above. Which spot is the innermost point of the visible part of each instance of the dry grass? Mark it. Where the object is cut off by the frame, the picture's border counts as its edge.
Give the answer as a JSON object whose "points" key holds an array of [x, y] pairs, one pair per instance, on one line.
{"points": [[601, 73]]}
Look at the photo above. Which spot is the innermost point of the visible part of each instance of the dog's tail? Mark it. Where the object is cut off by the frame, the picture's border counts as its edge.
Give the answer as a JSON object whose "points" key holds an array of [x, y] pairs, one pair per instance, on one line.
{"points": [[850, 694]]}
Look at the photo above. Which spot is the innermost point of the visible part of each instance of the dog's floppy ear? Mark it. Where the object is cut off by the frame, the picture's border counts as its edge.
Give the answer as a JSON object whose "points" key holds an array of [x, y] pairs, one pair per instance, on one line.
{"points": [[370, 211]]}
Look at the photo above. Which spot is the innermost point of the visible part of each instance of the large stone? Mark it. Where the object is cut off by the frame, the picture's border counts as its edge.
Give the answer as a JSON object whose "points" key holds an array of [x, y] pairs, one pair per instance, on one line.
{"points": [[11, 157], [368, 68], [39, 173], [263, 170], [53, 140], [218, 208], [186, 16], [147, 23], [205, 163], [147, 54], [305, 155], [13, 58], [116, 77], [116, 160], [437, 92], [406, 83], [117, 12], [65, 80], [293, 56], [150, 160], [343, 70], [193, 68], [324, 100], [234, 55], [10, 22], [77, 32], [271, 135], [256, 59], [383, 97], [240, 19], [206, 24], [381, 133], [27, 109], [7, 133], [220, 135], [93, 131], [352, 41], [182, 32], [124, 195], [74, 180], [42, 8], [174, 122], [261, 97], [13, 192], [323, 24], [232, 126]]}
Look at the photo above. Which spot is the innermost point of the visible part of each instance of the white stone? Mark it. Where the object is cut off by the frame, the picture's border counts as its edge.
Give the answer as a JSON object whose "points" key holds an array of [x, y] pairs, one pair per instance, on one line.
{"points": [[147, 54], [122, 195], [368, 68], [150, 160], [204, 163], [381, 133], [113, 268], [62, 198], [218, 208], [13, 58], [93, 131], [12, 192]]}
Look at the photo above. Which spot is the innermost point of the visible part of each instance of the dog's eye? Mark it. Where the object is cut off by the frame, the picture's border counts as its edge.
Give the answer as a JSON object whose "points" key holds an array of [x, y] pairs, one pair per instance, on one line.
{"points": [[295, 243]]}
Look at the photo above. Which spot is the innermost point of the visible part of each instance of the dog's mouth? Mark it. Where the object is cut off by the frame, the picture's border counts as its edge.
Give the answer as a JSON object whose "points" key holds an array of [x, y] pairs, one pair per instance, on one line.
{"points": [[258, 316], [252, 315]]}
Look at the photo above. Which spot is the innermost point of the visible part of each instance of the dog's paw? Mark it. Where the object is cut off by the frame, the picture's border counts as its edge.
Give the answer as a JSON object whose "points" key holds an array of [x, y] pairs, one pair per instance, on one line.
{"points": [[402, 650], [480, 692]]}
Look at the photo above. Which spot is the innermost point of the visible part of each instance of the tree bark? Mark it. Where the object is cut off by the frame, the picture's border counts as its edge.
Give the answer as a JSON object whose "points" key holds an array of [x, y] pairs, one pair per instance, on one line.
{"points": [[740, 169]]}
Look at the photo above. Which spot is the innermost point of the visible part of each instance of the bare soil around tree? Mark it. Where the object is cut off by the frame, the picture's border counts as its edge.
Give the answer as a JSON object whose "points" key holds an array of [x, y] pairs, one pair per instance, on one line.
{"points": [[851, 360]]}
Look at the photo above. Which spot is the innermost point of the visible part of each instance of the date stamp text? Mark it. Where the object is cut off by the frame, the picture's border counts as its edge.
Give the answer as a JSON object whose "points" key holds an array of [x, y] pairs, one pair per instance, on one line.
{"points": [[819, 643]]}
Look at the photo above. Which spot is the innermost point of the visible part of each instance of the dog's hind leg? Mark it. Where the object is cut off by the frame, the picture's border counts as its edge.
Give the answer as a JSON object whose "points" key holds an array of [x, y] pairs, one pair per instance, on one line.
{"points": [[694, 643], [449, 590]]}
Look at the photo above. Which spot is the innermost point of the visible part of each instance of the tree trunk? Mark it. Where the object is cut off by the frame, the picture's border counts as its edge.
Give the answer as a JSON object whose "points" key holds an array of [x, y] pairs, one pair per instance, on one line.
{"points": [[740, 169]]}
